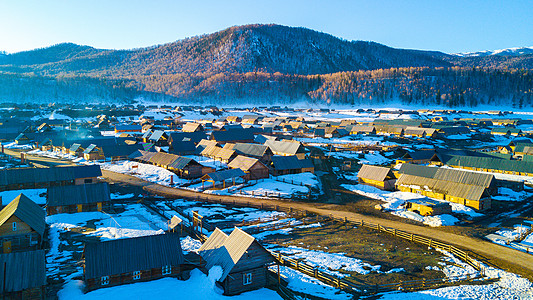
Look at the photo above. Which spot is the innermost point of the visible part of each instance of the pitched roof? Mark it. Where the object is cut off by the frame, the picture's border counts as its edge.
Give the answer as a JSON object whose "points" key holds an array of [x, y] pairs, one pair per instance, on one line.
{"points": [[290, 162], [187, 136], [251, 149], [78, 194], [374, 173], [132, 254], [244, 163], [225, 251], [24, 270], [223, 175], [466, 191], [285, 147], [191, 127], [25, 209]]}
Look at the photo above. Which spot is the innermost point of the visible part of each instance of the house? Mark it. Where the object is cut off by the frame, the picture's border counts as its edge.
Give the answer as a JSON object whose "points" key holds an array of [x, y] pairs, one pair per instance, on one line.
{"points": [[253, 168], [420, 132], [222, 177], [428, 207], [159, 138], [77, 198], [93, 152], [418, 157], [362, 129], [283, 165], [23, 275], [250, 119], [192, 127], [195, 137], [22, 225], [184, 167], [380, 177], [243, 260], [123, 261], [76, 150], [32, 178], [286, 148]]}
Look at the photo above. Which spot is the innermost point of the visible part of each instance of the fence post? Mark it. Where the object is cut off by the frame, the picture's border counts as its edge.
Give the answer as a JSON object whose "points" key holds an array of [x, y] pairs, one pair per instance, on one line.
{"points": [[411, 237]]}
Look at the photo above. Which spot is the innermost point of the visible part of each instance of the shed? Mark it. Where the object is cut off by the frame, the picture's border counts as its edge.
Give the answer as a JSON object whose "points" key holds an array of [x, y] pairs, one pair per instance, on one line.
{"points": [[22, 225], [380, 177], [428, 207], [243, 260], [121, 261]]}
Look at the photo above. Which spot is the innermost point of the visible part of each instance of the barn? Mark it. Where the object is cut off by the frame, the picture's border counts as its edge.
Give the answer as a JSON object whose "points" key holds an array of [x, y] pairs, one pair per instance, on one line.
{"points": [[77, 198], [22, 225], [243, 260], [380, 177], [123, 261]]}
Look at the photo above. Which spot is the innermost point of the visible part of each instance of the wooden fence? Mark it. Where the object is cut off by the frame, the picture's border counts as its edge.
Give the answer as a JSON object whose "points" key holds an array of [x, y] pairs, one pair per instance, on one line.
{"points": [[344, 284]]}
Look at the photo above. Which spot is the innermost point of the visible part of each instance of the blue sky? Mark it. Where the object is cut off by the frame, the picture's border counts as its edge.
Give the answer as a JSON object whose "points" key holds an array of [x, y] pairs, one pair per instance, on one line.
{"points": [[448, 26]]}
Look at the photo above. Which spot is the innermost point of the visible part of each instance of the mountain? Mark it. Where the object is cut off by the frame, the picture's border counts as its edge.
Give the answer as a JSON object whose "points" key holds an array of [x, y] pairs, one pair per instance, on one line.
{"points": [[269, 48], [266, 63], [502, 52]]}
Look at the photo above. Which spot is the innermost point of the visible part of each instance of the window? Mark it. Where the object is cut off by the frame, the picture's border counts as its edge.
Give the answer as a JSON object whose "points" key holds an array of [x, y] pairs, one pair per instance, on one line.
{"points": [[14, 226], [165, 270], [88, 181], [247, 278], [136, 275], [104, 280]]}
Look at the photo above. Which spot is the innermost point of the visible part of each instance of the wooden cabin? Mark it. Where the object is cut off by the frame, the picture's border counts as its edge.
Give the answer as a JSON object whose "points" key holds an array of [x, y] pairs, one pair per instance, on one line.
{"points": [[286, 148], [253, 168], [123, 261], [22, 225], [221, 177], [77, 198], [428, 207], [192, 127], [184, 167], [380, 177], [159, 138], [76, 150], [418, 157], [283, 165], [93, 152], [23, 275], [243, 260]]}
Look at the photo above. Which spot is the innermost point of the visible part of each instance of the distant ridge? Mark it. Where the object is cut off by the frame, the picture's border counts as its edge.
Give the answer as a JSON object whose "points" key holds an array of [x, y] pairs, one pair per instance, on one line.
{"points": [[266, 63]]}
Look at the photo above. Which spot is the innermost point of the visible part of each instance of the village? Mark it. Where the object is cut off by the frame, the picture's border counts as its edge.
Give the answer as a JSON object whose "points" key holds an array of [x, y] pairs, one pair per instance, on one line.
{"points": [[276, 202]]}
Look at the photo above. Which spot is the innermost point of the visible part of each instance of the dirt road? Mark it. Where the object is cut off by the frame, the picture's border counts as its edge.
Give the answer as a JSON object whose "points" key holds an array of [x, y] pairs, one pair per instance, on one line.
{"points": [[503, 257]]}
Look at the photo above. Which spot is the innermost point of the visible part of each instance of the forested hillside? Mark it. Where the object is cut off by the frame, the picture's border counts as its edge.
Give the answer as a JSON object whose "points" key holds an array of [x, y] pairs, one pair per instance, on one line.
{"points": [[270, 63]]}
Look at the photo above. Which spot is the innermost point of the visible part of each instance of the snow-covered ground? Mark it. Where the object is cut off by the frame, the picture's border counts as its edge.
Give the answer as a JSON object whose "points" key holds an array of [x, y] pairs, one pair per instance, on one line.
{"points": [[394, 202], [13, 145], [146, 172], [133, 222], [198, 286]]}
